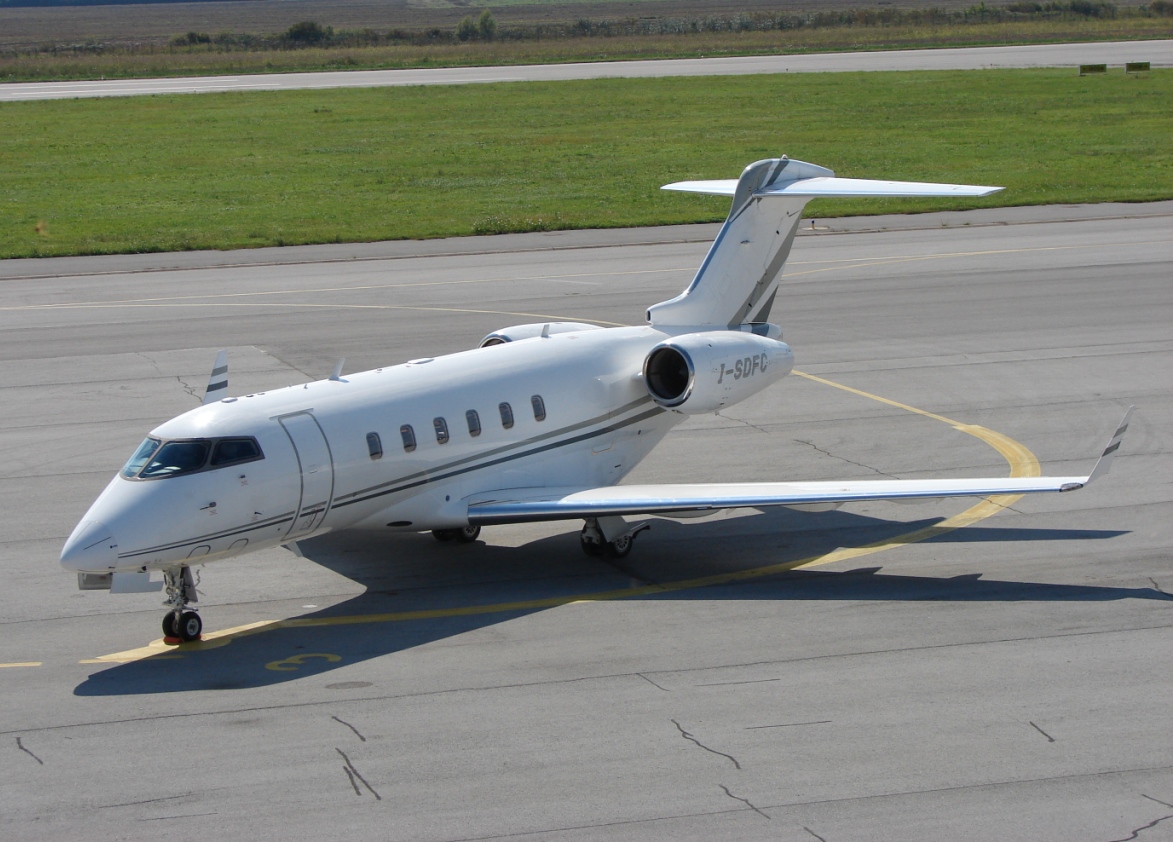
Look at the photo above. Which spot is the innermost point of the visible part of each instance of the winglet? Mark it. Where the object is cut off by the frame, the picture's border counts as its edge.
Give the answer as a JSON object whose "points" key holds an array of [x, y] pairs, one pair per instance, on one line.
{"points": [[218, 382], [1105, 461]]}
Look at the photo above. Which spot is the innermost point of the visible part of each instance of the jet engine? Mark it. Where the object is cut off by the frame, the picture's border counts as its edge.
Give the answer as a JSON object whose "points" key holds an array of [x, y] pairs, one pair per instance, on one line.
{"points": [[703, 372], [512, 334]]}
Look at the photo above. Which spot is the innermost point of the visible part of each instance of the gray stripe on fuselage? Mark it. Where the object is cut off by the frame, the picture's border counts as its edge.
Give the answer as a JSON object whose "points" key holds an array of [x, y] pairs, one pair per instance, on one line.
{"points": [[433, 476], [227, 533]]}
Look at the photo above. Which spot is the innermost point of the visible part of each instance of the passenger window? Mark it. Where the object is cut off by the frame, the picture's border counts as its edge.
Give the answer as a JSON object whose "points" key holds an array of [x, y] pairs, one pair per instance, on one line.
{"points": [[177, 457], [374, 446], [506, 415], [474, 423], [539, 407], [230, 451], [408, 435], [441, 430]]}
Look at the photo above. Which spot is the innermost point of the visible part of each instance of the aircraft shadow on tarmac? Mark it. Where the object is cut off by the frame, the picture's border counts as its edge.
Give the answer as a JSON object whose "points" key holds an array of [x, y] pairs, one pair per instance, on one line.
{"points": [[413, 573]]}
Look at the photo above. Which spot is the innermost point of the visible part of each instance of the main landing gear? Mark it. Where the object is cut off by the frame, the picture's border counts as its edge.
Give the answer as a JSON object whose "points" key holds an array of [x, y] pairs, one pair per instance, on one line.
{"points": [[180, 624], [609, 536], [465, 534]]}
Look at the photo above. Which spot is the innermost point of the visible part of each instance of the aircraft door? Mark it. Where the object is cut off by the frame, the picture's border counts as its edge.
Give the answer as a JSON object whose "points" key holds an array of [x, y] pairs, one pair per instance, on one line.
{"points": [[317, 472]]}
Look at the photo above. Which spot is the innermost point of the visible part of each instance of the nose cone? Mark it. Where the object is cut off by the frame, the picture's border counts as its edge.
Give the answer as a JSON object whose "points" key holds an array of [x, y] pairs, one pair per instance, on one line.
{"points": [[91, 547]]}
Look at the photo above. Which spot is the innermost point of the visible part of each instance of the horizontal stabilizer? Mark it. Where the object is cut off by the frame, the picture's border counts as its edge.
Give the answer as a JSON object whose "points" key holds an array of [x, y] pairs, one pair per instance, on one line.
{"points": [[833, 186]]}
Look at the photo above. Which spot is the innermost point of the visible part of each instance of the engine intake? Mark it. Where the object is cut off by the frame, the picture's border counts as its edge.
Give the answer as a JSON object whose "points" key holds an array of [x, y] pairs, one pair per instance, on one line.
{"points": [[704, 372]]}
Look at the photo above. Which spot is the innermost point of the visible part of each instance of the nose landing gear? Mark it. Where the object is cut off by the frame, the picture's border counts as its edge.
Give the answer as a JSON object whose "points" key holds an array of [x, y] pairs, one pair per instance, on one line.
{"points": [[180, 624]]}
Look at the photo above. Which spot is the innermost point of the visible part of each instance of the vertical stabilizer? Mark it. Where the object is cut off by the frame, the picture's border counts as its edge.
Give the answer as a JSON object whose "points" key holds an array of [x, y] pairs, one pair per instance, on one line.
{"points": [[737, 281], [218, 382], [739, 278]]}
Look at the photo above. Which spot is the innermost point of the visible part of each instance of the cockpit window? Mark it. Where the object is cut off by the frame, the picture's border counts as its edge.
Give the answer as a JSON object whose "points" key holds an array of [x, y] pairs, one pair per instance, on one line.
{"points": [[156, 459], [141, 456], [178, 457], [231, 451]]}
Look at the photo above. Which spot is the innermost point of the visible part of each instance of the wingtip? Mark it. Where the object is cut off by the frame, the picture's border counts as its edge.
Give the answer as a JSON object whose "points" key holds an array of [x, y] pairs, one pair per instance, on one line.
{"points": [[1104, 464]]}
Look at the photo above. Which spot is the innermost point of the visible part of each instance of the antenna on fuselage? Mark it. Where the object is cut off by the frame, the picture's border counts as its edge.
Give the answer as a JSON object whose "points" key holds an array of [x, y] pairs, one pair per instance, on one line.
{"points": [[218, 382], [337, 373]]}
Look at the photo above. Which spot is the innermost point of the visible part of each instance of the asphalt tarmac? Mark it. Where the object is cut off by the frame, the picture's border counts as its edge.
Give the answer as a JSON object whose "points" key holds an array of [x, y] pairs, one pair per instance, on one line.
{"points": [[944, 670], [1113, 53]]}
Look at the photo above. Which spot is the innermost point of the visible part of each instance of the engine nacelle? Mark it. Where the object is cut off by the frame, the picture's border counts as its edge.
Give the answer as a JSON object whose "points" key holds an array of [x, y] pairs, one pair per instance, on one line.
{"points": [[703, 372], [512, 334]]}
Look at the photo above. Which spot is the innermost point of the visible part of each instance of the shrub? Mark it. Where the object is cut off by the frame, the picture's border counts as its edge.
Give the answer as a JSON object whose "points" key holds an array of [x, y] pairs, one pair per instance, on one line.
{"points": [[307, 32], [191, 39], [466, 29], [486, 25]]}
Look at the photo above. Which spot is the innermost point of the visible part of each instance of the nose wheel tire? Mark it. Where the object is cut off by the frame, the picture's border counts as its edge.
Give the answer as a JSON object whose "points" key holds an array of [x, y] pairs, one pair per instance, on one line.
{"points": [[186, 626], [190, 626]]}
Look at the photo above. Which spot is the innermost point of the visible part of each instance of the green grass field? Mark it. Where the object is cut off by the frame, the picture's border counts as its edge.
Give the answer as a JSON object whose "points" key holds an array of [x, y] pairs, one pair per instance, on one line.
{"points": [[257, 169]]}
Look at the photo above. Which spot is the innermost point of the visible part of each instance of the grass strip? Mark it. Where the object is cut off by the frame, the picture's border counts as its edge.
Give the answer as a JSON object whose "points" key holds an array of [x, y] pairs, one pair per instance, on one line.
{"points": [[235, 170]]}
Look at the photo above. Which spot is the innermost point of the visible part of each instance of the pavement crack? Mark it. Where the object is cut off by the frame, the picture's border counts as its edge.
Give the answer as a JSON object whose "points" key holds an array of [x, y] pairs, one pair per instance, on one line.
{"points": [[815, 447], [1136, 833], [351, 727], [1159, 588], [744, 801], [189, 389], [742, 421], [693, 739], [654, 684], [1050, 739], [812, 833], [20, 746], [1158, 800], [353, 773], [353, 782]]}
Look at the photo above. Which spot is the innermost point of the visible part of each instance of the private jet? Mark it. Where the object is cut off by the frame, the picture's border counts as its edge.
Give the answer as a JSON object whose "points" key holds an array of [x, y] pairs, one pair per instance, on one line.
{"points": [[540, 422]]}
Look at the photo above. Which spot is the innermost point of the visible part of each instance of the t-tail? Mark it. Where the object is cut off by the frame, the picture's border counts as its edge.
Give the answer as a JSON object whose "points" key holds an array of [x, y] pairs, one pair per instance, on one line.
{"points": [[738, 280]]}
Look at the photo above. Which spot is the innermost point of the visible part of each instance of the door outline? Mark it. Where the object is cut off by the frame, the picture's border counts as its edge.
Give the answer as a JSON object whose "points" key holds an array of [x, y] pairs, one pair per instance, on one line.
{"points": [[300, 525]]}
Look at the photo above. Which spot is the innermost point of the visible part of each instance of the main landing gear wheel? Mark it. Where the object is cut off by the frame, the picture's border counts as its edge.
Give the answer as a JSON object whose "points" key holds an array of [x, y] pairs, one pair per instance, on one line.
{"points": [[591, 546], [169, 627], [620, 547], [595, 544], [465, 534]]}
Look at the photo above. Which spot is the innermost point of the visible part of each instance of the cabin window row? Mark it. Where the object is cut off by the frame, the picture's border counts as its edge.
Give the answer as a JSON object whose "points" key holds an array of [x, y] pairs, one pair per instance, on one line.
{"points": [[440, 425]]}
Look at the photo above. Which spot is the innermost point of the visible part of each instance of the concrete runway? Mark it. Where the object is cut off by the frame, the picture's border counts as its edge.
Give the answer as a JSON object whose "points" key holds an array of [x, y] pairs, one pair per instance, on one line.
{"points": [[1114, 53], [1004, 679]]}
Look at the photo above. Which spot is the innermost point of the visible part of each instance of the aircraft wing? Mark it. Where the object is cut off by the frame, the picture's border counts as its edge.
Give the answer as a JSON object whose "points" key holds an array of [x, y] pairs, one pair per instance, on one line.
{"points": [[521, 505]]}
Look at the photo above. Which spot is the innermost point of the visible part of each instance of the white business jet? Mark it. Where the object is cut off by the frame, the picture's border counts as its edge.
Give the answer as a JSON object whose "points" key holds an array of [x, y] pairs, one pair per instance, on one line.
{"points": [[539, 423]]}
